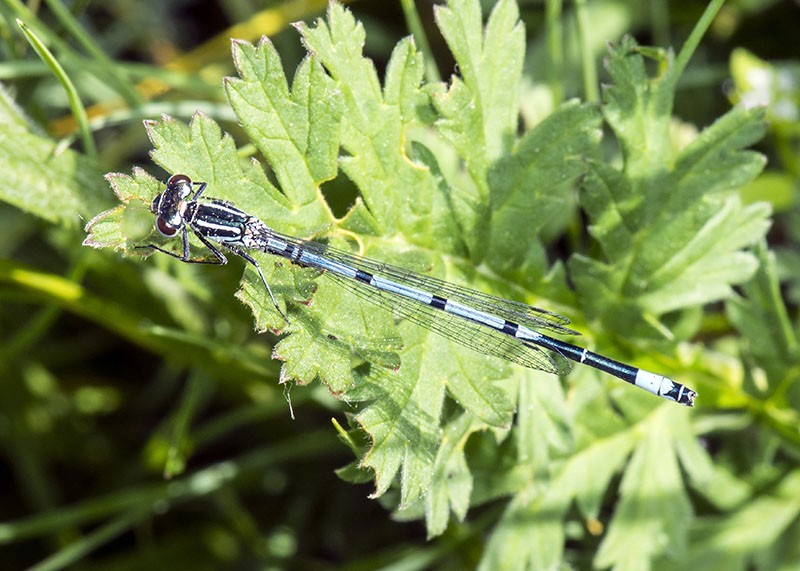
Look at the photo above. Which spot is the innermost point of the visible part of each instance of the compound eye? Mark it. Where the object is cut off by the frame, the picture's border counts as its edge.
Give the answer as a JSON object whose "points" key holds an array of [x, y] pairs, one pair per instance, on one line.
{"points": [[180, 182], [165, 228], [178, 178]]}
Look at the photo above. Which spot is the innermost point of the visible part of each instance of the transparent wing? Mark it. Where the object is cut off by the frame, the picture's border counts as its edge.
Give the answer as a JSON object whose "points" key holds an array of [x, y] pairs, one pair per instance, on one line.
{"points": [[517, 312], [468, 333]]}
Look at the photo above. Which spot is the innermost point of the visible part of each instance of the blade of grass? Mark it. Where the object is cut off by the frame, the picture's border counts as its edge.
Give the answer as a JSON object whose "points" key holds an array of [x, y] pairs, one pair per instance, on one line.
{"points": [[183, 108], [193, 349], [67, 53], [267, 22], [76, 550], [177, 451], [590, 87], [421, 40], [555, 49], [124, 86], [75, 103], [697, 34], [38, 325], [167, 495]]}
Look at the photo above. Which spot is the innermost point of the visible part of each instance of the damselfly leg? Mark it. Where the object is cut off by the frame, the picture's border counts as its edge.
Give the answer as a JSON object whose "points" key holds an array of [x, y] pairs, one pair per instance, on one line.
{"points": [[247, 257]]}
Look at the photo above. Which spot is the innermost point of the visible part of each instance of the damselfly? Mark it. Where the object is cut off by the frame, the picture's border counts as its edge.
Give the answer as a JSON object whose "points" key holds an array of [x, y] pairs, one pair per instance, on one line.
{"points": [[485, 323]]}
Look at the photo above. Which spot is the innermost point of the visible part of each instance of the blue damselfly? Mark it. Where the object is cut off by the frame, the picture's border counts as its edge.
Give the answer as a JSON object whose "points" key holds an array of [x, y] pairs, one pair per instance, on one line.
{"points": [[485, 323]]}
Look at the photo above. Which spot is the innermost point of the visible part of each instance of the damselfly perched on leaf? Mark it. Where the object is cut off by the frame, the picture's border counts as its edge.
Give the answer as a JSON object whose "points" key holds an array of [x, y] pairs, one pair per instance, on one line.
{"points": [[485, 323]]}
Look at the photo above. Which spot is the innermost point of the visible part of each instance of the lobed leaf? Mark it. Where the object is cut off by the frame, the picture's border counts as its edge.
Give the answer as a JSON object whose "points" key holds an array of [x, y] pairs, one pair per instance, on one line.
{"points": [[761, 318], [478, 113], [669, 218], [374, 127], [297, 131], [654, 508]]}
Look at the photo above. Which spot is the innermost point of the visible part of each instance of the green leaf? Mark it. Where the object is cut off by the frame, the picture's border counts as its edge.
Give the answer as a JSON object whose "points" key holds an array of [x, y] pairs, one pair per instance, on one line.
{"points": [[332, 335], [767, 338], [530, 535], [353, 347], [531, 531], [544, 424], [480, 110], [404, 420], [527, 188], [374, 127], [588, 473], [448, 188], [452, 480], [653, 508], [43, 177], [353, 439], [762, 533], [478, 113], [126, 225], [639, 108], [202, 152], [671, 217], [517, 184], [297, 131]]}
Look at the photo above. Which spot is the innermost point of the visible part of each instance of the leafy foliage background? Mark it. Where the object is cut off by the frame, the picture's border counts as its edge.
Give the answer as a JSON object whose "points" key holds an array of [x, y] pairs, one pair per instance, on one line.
{"points": [[144, 421]]}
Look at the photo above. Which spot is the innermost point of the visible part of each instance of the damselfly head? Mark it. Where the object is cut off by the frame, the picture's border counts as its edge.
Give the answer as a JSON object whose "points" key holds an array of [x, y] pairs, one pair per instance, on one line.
{"points": [[170, 205]]}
